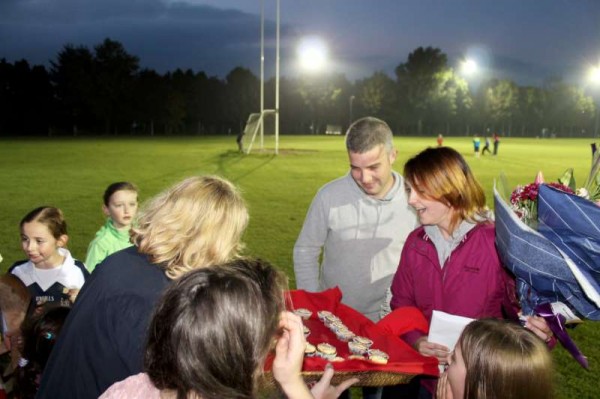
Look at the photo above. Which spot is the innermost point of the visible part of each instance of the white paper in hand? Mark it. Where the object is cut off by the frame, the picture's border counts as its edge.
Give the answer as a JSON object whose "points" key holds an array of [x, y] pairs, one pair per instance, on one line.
{"points": [[446, 328]]}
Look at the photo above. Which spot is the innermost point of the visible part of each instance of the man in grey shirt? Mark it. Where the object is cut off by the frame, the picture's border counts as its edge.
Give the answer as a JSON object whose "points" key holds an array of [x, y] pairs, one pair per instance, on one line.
{"points": [[359, 222]]}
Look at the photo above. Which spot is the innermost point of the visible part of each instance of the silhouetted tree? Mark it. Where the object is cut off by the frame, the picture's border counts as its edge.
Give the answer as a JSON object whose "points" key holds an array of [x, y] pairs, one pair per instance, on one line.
{"points": [[567, 108], [242, 96], [114, 71], [376, 96], [419, 80], [104, 90], [150, 92], [501, 100], [25, 99], [73, 77]]}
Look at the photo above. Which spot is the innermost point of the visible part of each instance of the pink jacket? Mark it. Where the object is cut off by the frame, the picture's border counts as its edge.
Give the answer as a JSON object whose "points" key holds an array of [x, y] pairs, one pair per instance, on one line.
{"points": [[472, 283]]}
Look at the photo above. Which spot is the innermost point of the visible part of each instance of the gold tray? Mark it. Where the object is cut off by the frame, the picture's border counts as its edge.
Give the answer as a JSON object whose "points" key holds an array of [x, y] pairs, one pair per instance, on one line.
{"points": [[365, 378]]}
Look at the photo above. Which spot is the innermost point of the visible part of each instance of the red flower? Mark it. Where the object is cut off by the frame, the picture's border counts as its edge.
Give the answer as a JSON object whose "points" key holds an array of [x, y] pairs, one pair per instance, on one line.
{"points": [[524, 200], [561, 187]]}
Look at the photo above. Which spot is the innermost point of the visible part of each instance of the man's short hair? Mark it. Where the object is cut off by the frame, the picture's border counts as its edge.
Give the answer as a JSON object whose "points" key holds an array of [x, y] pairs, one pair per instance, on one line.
{"points": [[367, 133]]}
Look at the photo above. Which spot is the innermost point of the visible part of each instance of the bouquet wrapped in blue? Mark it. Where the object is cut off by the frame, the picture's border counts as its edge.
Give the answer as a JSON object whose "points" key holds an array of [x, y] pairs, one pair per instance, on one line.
{"points": [[557, 261]]}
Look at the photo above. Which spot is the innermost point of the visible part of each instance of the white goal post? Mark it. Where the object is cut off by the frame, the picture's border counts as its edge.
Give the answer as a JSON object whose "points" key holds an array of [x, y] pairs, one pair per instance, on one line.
{"points": [[253, 125]]}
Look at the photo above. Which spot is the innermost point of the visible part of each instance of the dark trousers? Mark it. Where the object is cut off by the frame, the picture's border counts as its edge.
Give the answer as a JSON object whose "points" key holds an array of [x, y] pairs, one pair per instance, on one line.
{"points": [[367, 393], [404, 391]]}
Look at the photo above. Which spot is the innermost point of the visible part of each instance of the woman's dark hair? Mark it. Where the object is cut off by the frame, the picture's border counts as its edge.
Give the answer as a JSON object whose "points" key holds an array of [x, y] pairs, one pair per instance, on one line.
{"points": [[39, 336], [213, 328]]}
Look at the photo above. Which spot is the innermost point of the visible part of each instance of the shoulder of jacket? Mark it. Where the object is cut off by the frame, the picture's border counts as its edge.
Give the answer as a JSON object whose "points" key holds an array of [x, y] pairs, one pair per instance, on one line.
{"points": [[418, 237], [337, 183], [335, 189], [485, 230]]}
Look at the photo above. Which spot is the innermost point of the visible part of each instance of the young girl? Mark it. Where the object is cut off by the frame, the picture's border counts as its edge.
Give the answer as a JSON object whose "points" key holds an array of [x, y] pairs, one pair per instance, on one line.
{"points": [[211, 333], [39, 335], [496, 359], [120, 206], [50, 273]]}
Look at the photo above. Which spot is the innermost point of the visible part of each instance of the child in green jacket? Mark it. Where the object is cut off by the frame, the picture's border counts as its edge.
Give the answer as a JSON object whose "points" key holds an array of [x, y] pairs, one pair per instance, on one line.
{"points": [[120, 206]]}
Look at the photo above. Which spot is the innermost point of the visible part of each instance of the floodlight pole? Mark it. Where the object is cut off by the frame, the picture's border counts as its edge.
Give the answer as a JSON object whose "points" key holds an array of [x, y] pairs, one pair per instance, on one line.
{"points": [[277, 84], [597, 118], [262, 77], [262, 72]]}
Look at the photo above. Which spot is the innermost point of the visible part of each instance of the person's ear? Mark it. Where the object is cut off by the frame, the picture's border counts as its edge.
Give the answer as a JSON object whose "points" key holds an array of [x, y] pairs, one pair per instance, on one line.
{"points": [[62, 241], [393, 154], [105, 210]]}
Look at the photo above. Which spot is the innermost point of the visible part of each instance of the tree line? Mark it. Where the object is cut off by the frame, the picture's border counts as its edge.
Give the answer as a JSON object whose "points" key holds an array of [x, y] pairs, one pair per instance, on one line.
{"points": [[103, 91]]}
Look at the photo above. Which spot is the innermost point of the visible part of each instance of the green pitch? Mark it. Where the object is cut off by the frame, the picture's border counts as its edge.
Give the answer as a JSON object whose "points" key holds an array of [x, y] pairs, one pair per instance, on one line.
{"points": [[72, 175]]}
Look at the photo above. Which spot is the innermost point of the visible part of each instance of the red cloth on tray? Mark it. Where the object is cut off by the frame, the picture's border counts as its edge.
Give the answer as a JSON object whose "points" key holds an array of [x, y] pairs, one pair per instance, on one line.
{"points": [[403, 358]]}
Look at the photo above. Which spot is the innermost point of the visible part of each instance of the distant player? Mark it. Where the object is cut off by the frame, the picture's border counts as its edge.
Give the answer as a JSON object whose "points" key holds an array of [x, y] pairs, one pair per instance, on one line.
{"points": [[486, 146], [476, 145]]}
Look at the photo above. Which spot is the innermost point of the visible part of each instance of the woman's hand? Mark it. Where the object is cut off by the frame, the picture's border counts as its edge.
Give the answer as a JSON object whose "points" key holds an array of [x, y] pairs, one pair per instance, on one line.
{"points": [[539, 327], [439, 351], [443, 390], [73, 292], [289, 356], [324, 390]]}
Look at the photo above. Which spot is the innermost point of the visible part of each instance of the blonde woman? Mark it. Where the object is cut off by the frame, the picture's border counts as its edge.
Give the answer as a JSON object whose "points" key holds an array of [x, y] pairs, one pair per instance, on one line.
{"points": [[196, 223]]}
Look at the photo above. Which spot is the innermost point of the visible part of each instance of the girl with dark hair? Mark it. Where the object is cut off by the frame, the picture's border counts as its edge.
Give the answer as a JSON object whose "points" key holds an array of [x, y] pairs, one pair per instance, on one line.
{"points": [[50, 273], [39, 335], [120, 207], [211, 333]]}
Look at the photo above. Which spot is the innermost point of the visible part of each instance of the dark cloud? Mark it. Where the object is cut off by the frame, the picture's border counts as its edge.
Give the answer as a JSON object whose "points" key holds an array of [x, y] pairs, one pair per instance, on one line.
{"points": [[57, 12], [527, 41], [164, 36]]}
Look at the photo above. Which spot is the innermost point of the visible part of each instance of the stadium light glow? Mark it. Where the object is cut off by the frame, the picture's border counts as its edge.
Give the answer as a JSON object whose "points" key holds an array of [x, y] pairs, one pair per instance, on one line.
{"points": [[312, 53], [595, 74], [469, 67]]}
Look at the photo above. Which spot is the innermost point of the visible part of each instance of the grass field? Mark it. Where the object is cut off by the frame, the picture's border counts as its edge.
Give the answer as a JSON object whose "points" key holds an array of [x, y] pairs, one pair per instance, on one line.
{"points": [[72, 174]]}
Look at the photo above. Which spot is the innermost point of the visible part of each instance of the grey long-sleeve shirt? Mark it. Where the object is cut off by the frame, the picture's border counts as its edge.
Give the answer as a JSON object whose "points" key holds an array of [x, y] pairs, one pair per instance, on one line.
{"points": [[361, 239]]}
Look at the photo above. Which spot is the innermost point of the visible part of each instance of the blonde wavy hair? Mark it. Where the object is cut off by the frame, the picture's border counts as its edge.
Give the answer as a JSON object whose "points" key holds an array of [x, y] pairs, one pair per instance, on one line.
{"points": [[197, 223]]}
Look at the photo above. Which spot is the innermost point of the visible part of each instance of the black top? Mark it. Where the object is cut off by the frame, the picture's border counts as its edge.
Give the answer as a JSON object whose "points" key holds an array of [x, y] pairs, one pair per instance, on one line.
{"points": [[103, 338]]}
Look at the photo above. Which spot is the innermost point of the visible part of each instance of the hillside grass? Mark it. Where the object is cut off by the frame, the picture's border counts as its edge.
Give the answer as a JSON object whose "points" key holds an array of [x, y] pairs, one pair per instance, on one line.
{"points": [[73, 173]]}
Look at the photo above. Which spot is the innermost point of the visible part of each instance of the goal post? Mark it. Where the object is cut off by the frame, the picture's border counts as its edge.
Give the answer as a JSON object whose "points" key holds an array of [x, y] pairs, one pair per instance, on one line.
{"points": [[253, 127]]}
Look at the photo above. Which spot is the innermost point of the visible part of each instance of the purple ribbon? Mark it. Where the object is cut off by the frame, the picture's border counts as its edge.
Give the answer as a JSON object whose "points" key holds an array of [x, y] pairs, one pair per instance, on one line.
{"points": [[556, 322]]}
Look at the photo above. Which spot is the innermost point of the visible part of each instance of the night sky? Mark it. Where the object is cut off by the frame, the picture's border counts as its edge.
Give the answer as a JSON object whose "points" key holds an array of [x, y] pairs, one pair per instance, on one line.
{"points": [[524, 40]]}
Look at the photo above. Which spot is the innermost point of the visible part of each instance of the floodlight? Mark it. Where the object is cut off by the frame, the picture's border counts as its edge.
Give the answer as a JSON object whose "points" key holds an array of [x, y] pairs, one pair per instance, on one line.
{"points": [[469, 67], [595, 74], [312, 53]]}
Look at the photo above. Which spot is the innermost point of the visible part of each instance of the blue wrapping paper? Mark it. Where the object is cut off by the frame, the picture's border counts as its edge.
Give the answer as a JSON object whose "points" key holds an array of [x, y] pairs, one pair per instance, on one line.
{"points": [[541, 270], [572, 224]]}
